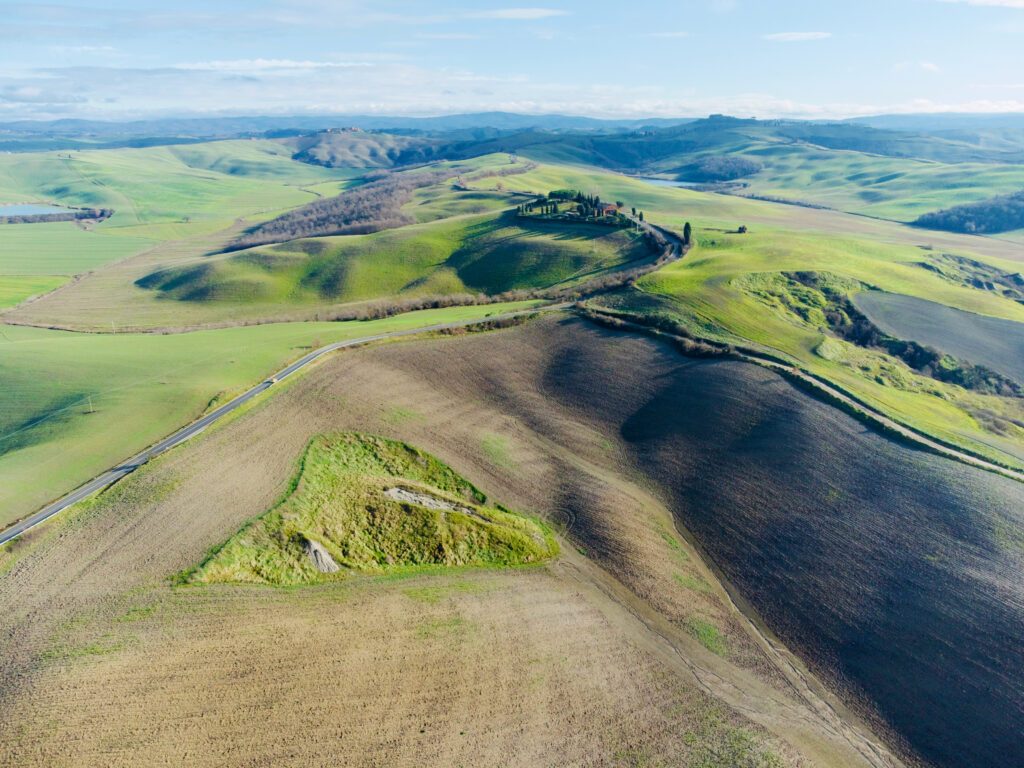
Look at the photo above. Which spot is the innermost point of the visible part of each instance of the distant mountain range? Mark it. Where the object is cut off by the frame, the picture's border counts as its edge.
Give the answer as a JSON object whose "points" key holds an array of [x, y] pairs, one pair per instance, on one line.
{"points": [[681, 146], [28, 135]]}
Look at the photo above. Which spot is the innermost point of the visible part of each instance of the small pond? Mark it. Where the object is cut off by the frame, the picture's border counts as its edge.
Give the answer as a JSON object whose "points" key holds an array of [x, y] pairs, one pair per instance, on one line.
{"points": [[30, 209], [665, 182]]}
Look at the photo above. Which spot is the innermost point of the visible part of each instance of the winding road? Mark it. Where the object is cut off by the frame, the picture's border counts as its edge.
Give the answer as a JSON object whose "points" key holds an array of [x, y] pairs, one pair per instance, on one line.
{"points": [[127, 467]]}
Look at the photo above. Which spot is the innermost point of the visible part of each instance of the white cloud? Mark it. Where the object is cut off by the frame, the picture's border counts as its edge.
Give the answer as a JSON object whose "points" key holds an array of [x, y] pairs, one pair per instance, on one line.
{"points": [[990, 3], [83, 48], [393, 87], [796, 37], [519, 14], [269, 65], [446, 36]]}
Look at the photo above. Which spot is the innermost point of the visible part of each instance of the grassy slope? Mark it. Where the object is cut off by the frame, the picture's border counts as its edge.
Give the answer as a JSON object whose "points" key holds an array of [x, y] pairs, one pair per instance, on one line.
{"points": [[890, 188], [15, 289], [111, 295], [487, 253], [63, 248], [141, 388], [897, 188], [340, 503], [216, 181], [159, 194], [703, 288]]}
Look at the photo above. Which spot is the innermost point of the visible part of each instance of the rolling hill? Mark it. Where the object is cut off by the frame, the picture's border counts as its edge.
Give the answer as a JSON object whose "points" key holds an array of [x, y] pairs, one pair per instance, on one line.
{"points": [[487, 253], [845, 165]]}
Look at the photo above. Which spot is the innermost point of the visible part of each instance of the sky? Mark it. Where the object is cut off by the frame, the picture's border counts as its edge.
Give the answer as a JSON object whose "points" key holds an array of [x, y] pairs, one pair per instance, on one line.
{"points": [[129, 59]]}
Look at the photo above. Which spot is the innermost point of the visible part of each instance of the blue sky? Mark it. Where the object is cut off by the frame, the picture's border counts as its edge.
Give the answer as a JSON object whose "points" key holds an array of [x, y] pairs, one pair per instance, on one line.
{"points": [[792, 58]]}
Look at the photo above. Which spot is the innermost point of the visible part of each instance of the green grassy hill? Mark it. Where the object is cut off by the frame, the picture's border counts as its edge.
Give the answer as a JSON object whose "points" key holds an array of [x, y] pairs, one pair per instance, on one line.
{"points": [[365, 503], [900, 189], [358, 149], [715, 292], [476, 254], [215, 181], [889, 174]]}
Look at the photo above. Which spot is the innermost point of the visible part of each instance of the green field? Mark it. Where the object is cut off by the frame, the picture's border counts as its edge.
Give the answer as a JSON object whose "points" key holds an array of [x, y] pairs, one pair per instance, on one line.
{"points": [[890, 188], [74, 404], [880, 174], [171, 238], [63, 248], [216, 181], [465, 241], [15, 289], [894, 188], [713, 290], [159, 195]]}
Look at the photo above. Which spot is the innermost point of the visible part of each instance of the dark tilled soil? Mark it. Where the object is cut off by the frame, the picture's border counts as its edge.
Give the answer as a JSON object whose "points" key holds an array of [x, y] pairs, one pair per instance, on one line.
{"points": [[892, 570]]}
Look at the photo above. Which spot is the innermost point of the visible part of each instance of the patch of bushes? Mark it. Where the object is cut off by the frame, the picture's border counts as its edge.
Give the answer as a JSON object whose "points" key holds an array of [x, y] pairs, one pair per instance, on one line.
{"points": [[716, 168], [998, 214], [82, 214], [977, 274], [659, 323], [491, 325], [372, 207]]}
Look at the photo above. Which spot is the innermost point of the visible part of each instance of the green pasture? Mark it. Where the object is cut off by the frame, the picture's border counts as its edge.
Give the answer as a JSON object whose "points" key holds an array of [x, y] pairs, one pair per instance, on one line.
{"points": [[15, 289], [74, 404], [890, 188]]}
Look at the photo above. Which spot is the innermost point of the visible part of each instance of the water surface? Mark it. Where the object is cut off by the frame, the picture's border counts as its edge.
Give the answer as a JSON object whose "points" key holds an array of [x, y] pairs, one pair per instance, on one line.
{"points": [[30, 209]]}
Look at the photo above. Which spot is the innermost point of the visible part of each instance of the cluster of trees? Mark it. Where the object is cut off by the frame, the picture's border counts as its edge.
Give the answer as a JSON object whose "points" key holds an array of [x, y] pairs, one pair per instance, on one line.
{"points": [[998, 214], [583, 205], [587, 205], [541, 206], [718, 168], [81, 214], [369, 208]]}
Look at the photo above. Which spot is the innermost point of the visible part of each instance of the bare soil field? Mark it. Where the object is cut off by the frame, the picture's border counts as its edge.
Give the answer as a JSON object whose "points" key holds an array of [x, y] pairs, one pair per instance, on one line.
{"points": [[624, 651]]}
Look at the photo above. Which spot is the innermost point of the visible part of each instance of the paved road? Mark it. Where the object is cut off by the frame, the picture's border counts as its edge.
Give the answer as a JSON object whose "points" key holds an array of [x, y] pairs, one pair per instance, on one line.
{"points": [[193, 429]]}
